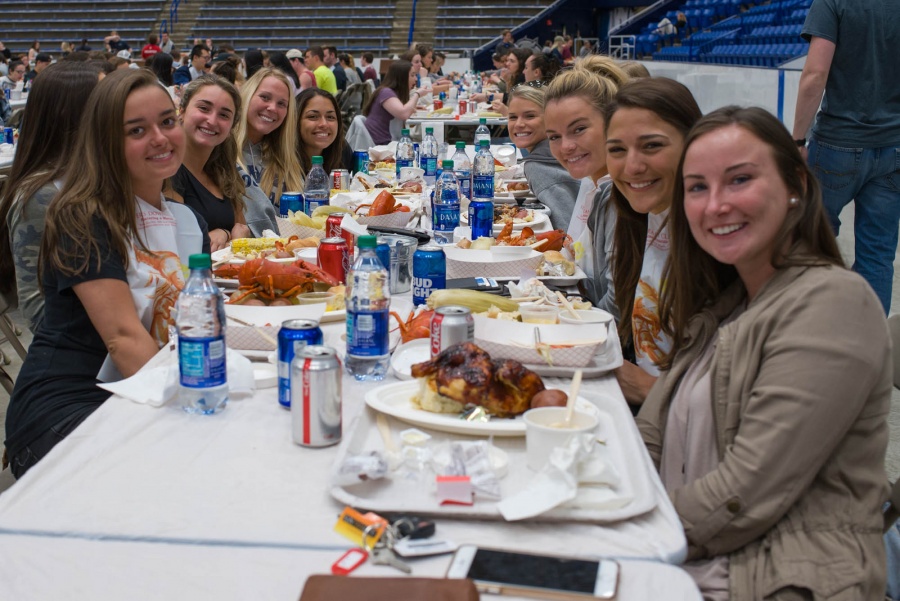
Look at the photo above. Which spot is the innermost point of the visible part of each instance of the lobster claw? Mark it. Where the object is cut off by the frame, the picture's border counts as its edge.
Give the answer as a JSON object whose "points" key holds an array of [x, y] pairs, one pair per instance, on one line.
{"points": [[555, 239]]}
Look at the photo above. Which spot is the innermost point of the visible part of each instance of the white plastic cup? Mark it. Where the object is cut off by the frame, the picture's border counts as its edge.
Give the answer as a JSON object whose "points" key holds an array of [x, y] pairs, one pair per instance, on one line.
{"points": [[541, 438], [587, 316]]}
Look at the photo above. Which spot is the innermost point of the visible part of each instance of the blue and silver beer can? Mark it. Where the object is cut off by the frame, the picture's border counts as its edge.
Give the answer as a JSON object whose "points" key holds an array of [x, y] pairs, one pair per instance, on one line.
{"points": [[383, 251], [293, 336], [291, 201], [481, 218], [8, 135], [360, 161], [429, 272]]}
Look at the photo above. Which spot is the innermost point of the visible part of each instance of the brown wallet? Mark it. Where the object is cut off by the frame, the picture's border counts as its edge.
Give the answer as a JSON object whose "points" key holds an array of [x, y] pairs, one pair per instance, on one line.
{"points": [[323, 587]]}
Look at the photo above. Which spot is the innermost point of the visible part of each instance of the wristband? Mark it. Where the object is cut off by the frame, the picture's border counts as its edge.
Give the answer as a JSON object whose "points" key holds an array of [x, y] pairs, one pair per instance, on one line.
{"points": [[800, 142]]}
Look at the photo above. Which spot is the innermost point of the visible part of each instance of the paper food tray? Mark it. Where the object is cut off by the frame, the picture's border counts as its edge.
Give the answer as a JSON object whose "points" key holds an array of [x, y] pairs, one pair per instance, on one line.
{"points": [[267, 320], [608, 357], [288, 228], [414, 494], [497, 336], [467, 263]]}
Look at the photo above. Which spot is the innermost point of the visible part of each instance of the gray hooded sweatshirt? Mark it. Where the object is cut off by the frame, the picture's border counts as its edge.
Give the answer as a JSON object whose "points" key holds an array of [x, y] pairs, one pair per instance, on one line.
{"points": [[552, 184]]}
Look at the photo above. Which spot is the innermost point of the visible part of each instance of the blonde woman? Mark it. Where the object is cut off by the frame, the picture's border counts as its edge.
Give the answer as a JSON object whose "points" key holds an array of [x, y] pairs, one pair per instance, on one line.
{"points": [[573, 117], [266, 134]]}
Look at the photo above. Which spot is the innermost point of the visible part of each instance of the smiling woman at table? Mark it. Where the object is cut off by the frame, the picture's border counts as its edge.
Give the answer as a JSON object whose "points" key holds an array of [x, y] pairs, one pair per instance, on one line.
{"points": [[52, 116], [645, 129], [322, 132], [209, 181], [772, 455], [573, 116], [266, 135], [549, 180], [111, 263], [392, 100]]}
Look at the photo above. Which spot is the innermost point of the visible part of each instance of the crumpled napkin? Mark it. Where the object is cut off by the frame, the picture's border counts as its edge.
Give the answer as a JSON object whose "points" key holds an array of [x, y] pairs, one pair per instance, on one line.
{"points": [[158, 385], [580, 475], [382, 153]]}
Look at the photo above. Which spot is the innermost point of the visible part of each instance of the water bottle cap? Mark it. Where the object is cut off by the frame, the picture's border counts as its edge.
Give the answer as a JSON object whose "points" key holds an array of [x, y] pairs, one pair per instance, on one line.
{"points": [[366, 241], [404, 132], [460, 144], [429, 130], [317, 161], [483, 121], [199, 261], [447, 164], [484, 143]]}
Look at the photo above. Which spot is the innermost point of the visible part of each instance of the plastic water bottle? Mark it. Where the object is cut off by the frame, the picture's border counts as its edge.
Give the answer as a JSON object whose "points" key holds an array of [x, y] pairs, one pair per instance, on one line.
{"points": [[200, 323], [482, 132], [445, 206], [406, 153], [318, 187], [463, 168], [428, 156], [368, 303]]}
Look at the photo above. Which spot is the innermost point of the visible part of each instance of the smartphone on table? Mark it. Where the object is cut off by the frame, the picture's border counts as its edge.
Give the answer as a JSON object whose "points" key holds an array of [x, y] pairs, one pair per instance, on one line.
{"points": [[544, 576]]}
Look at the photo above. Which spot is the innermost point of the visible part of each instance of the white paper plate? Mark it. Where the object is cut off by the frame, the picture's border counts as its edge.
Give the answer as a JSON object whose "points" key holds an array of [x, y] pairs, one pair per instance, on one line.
{"points": [[406, 355], [265, 375], [394, 400], [223, 254], [539, 218]]}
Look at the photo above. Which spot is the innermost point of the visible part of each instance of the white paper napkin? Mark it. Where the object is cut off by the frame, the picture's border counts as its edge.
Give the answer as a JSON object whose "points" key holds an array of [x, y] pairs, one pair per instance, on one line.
{"points": [[578, 475], [158, 385], [381, 153]]}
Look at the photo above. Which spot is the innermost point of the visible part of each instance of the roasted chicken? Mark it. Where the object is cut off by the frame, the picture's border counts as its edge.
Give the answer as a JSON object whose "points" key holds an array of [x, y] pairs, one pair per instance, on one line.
{"points": [[465, 374]]}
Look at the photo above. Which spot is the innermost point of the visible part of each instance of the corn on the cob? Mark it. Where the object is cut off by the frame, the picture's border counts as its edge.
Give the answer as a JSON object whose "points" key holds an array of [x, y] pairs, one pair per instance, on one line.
{"points": [[477, 301], [246, 245]]}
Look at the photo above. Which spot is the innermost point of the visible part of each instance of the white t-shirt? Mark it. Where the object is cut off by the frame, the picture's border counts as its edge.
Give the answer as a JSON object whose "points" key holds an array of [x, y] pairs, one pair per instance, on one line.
{"points": [[582, 247], [650, 344], [156, 278]]}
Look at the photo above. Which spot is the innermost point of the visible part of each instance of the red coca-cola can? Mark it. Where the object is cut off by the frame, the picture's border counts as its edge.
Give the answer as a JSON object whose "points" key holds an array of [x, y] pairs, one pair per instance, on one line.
{"points": [[462, 107], [451, 325], [333, 228], [334, 257], [438, 104]]}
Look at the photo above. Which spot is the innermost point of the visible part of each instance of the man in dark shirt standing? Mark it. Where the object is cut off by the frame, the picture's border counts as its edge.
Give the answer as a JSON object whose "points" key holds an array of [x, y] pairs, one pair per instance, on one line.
{"points": [[855, 142], [42, 60]]}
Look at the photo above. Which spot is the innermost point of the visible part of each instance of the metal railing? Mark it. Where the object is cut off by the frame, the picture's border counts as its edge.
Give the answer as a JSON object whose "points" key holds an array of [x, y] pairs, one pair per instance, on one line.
{"points": [[621, 47], [412, 24], [494, 41], [173, 18]]}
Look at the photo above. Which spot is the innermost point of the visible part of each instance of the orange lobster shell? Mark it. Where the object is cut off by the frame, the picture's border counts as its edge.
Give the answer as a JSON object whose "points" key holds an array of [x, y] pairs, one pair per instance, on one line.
{"points": [[271, 279]]}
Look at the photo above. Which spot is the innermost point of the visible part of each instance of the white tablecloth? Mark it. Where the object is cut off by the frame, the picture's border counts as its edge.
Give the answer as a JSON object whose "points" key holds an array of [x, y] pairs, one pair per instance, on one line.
{"points": [[136, 491]]}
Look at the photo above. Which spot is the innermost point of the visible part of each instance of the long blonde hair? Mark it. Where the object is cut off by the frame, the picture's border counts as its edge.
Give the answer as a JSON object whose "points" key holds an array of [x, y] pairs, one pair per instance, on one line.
{"points": [[97, 184], [279, 148]]}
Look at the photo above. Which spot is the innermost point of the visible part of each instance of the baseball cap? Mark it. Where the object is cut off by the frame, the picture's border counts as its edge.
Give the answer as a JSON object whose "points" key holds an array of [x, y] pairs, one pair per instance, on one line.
{"points": [[124, 54], [43, 57], [294, 53]]}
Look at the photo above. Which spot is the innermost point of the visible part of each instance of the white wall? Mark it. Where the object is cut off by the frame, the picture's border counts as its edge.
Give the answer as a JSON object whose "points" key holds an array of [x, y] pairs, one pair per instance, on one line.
{"points": [[715, 86]]}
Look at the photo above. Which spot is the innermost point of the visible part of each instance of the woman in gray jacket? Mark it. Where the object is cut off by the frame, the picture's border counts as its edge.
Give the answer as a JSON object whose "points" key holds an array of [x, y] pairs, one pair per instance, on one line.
{"points": [[769, 421]]}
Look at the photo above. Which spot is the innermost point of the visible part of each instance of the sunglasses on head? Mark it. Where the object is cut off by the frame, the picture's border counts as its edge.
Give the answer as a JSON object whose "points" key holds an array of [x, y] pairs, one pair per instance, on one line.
{"points": [[535, 83]]}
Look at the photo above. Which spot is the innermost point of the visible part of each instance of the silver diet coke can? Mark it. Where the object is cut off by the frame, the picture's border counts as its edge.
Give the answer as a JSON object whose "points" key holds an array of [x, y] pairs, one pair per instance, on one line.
{"points": [[316, 397], [451, 325]]}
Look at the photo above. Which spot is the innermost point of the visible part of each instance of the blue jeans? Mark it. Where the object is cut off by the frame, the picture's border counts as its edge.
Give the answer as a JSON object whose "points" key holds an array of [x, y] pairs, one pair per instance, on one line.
{"points": [[871, 178]]}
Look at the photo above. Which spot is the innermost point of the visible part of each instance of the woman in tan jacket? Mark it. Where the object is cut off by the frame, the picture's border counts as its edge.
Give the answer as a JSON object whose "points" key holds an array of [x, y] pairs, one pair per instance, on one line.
{"points": [[769, 422]]}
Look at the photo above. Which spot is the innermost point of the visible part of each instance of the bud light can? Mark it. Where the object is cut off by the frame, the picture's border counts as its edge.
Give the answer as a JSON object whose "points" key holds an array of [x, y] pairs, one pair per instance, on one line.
{"points": [[481, 218], [316, 397], [334, 257], [291, 201], [429, 272], [451, 325], [293, 335]]}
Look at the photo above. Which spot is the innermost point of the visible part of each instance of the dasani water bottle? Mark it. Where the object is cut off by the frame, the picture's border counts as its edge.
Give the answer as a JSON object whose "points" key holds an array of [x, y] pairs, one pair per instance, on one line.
{"points": [[368, 303]]}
